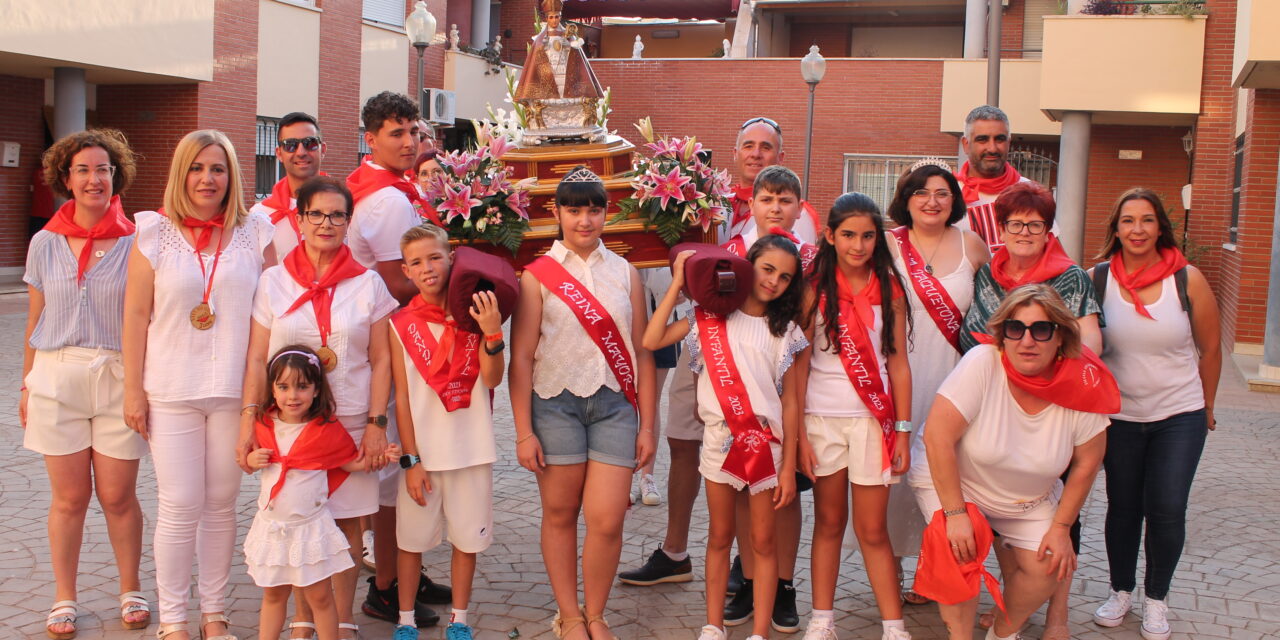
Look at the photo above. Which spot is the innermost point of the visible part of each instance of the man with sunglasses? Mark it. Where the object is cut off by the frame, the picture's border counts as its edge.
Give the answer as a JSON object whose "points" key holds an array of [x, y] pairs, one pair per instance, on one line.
{"points": [[300, 150], [759, 145]]}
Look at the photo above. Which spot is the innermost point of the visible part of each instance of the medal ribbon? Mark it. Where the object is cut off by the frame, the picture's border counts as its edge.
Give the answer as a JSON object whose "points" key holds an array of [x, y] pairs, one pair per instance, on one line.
{"points": [[203, 237], [597, 322], [750, 457], [450, 365], [942, 309], [320, 290]]}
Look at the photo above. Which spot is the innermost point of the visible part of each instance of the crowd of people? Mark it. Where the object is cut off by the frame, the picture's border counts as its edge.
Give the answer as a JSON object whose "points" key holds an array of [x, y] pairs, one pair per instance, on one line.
{"points": [[942, 377]]}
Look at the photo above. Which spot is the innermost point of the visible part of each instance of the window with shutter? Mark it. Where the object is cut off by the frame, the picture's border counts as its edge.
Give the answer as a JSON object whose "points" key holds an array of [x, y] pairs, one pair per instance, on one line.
{"points": [[389, 12]]}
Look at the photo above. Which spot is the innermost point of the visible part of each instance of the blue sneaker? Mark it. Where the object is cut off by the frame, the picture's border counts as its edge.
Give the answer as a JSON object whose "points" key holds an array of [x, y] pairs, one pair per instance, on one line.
{"points": [[405, 632], [457, 631]]}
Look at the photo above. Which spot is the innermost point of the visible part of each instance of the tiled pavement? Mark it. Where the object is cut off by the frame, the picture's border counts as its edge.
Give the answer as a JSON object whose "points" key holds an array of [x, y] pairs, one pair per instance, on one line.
{"points": [[1227, 585]]}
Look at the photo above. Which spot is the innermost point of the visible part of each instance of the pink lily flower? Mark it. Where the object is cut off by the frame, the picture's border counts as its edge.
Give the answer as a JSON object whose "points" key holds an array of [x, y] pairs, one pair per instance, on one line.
{"points": [[458, 204], [670, 187]]}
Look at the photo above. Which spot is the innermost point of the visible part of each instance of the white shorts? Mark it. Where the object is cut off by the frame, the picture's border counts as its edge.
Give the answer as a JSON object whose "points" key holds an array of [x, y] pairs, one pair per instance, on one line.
{"points": [[682, 402], [462, 499], [716, 438], [1024, 531], [852, 443], [75, 401], [358, 495]]}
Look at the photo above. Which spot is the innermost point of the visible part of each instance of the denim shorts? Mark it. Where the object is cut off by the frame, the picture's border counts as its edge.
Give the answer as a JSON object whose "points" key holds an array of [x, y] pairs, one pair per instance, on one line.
{"points": [[573, 430]]}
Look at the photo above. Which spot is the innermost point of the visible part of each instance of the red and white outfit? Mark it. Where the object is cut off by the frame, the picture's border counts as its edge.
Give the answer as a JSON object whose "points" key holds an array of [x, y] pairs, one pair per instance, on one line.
{"points": [[979, 197], [807, 228], [457, 446], [761, 360], [357, 304], [740, 244], [193, 383], [282, 208]]}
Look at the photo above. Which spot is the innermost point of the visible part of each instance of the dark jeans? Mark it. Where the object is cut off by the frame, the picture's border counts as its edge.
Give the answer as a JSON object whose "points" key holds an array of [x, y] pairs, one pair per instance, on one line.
{"points": [[1150, 466]]}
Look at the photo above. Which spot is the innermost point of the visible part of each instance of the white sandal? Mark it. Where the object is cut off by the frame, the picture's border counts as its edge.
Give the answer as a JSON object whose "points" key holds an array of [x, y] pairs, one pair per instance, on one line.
{"points": [[303, 625], [134, 602], [63, 612], [167, 628], [216, 617], [355, 629]]}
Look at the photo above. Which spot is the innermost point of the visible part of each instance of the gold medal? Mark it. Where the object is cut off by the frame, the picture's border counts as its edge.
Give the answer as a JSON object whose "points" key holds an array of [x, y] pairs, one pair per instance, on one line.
{"points": [[202, 317], [328, 359]]}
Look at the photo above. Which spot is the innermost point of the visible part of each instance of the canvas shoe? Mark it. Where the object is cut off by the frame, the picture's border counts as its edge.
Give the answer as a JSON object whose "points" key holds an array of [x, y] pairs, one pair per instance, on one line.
{"points": [[1113, 611], [1155, 622]]}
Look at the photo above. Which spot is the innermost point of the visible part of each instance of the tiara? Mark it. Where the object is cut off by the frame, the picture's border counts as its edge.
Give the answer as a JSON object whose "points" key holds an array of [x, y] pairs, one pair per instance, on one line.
{"points": [[582, 174], [931, 160], [315, 362]]}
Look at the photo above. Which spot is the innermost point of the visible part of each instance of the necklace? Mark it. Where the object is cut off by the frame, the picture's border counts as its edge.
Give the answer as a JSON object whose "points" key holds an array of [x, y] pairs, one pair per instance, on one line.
{"points": [[928, 262]]}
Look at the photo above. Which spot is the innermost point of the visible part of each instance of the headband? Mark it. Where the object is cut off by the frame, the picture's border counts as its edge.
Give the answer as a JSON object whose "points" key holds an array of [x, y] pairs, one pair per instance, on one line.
{"points": [[931, 160], [311, 357]]}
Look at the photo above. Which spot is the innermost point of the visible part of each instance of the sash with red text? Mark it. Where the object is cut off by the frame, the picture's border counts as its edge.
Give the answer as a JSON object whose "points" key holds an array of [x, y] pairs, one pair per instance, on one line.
{"points": [[593, 317], [942, 309]]}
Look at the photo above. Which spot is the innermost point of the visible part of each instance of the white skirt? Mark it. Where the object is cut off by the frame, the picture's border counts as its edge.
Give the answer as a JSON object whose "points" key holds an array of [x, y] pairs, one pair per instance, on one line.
{"points": [[299, 553]]}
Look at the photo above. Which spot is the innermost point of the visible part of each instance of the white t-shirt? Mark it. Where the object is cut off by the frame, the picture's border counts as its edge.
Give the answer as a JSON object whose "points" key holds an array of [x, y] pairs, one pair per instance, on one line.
{"points": [[285, 238], [182, 362], [830, 392], [358, 303], [566, 357], [305, 491], [377, 224], [1009, 460], [448, 440], [762, 359]]}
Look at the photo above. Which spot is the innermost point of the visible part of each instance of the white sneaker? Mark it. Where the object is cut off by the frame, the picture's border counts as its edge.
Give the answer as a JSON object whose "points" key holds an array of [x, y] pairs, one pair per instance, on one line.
{"points": [[755, 637], [367, 558], [635, 493], [649, 490], [1113, 611], [991, 634], [1155, 623], [712, 632], [895, 633], [820, 630]]}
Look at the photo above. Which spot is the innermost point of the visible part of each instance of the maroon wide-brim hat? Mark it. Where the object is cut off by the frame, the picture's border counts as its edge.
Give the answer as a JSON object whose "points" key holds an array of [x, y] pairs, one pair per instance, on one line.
{"points": [[474, 270], [715, 279]]}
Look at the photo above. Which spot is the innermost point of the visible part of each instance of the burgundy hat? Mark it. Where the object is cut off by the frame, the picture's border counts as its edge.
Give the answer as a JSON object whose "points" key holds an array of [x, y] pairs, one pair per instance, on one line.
{"points": [[474, 270], [715, 279]]}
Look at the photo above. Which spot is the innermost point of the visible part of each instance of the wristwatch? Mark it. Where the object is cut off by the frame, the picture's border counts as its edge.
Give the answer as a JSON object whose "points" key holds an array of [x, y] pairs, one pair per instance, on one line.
{"points": [[902, 426], [497, 349], [378, 421], [408, 460]]}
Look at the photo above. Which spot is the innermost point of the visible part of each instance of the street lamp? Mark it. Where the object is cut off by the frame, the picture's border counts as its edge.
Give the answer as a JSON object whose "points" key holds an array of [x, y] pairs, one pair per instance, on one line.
{"points": [[420, 27], [812, 68]]}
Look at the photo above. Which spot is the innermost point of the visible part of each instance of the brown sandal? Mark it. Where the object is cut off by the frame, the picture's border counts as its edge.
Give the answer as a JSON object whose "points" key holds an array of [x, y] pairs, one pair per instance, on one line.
{"points": [[562, 626], [600, 618]]}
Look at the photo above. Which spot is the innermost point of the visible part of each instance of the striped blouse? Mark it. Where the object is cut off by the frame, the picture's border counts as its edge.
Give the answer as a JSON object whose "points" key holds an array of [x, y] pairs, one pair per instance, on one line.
{"points": [[89, 314]]}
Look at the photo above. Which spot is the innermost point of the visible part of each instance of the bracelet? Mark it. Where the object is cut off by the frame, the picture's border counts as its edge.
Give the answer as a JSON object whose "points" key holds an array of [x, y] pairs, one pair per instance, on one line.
{"points": [[496, 350], [955, 512], [247, 407], [524, 437], [493, 337]]}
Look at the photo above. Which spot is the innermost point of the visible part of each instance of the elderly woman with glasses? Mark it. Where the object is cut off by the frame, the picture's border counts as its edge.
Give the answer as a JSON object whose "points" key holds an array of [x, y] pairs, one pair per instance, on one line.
{"points": [[1014, 415], [321, 297]]}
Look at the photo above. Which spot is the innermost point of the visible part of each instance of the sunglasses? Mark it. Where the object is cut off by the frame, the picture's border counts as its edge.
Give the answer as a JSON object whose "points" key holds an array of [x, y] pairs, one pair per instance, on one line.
{"points": [[310, 143], [761, 119], [1041, 330]]}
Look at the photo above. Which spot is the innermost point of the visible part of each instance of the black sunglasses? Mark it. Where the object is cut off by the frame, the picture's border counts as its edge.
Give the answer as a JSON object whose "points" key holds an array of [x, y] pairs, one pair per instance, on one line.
{"points": [[761, 119], [310, 143], [1041, 330]]}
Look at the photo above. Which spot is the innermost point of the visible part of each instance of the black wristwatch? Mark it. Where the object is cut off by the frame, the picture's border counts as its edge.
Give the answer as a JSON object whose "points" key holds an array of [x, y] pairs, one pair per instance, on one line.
{"points": [[497, 349], [378, 421], [408, 460]]}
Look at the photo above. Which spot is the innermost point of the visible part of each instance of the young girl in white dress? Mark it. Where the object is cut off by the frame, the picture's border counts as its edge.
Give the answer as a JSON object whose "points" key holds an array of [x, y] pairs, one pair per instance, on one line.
{"points": [[305, 455]]}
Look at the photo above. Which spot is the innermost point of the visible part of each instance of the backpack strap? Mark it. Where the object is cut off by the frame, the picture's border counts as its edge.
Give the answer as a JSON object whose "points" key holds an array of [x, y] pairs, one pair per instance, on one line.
{"points": [[1180, 280], [1100, 273]]}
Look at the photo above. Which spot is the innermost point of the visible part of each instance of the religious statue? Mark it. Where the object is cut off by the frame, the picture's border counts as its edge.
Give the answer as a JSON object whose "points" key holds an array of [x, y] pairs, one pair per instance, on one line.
{"points": [[497, 44], [637, 49], [454, 37], [558, 90], [727, 48]]}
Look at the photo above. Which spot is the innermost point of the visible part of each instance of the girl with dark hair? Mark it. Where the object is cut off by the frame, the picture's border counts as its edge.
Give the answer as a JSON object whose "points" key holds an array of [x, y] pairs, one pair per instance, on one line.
{"points": [[754, 347], [583, 399], [856, 382], [1162, 345], [306, 455]]}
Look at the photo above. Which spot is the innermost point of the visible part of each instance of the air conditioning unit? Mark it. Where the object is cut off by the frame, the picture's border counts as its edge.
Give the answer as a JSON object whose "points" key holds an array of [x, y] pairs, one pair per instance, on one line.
{"points": [[438, 106]]}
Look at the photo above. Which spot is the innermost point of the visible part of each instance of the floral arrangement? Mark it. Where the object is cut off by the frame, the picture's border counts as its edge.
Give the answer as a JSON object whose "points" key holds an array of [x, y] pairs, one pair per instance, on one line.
{"points": [[674, 188], [475, 196]]}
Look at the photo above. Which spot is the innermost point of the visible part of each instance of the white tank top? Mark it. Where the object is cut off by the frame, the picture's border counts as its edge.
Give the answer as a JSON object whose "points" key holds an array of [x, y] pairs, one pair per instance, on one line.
{"points": [[830, 391], [1154, 361]]}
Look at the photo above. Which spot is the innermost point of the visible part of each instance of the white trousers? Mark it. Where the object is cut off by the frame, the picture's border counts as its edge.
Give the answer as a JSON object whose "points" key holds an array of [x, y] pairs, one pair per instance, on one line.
{"points": [[193, 448]]}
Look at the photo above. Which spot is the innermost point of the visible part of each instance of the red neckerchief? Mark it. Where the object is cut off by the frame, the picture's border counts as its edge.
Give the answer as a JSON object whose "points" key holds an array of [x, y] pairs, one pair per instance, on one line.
{"points": [[449, 365], [942, 309], [750, 458], [113, 224], [939, 576], [1051, 264], [741, 204], [858, 355], [319, 289], [779, 231], [323, 445], [367, 179], [737, 245], [1171, 260], [971, 185], [202, 239], [1080, 384], [282, 205]]}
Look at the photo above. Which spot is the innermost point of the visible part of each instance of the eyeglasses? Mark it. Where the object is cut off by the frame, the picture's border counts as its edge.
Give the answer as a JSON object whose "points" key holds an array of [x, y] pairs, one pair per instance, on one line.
{"points": [[761, 119], [337, 218], [1035, 227], [1041, 330], [940, 194], [310, 143], [102, 171]]}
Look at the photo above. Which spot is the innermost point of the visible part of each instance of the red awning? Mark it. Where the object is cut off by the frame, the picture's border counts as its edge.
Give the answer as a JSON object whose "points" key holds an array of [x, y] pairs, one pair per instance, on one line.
{"points": [[672, 9]]}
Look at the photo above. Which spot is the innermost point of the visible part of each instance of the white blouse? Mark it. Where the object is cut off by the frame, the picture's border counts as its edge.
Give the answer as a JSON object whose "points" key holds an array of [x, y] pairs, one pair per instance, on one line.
{"points": [[358, 303], [184, 363], [566, 358]]}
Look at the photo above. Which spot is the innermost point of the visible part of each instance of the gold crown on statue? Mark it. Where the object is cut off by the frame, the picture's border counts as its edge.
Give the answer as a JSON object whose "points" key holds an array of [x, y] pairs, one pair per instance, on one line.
{"points": [[581, 174], [931, 160], [552, 6]]}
